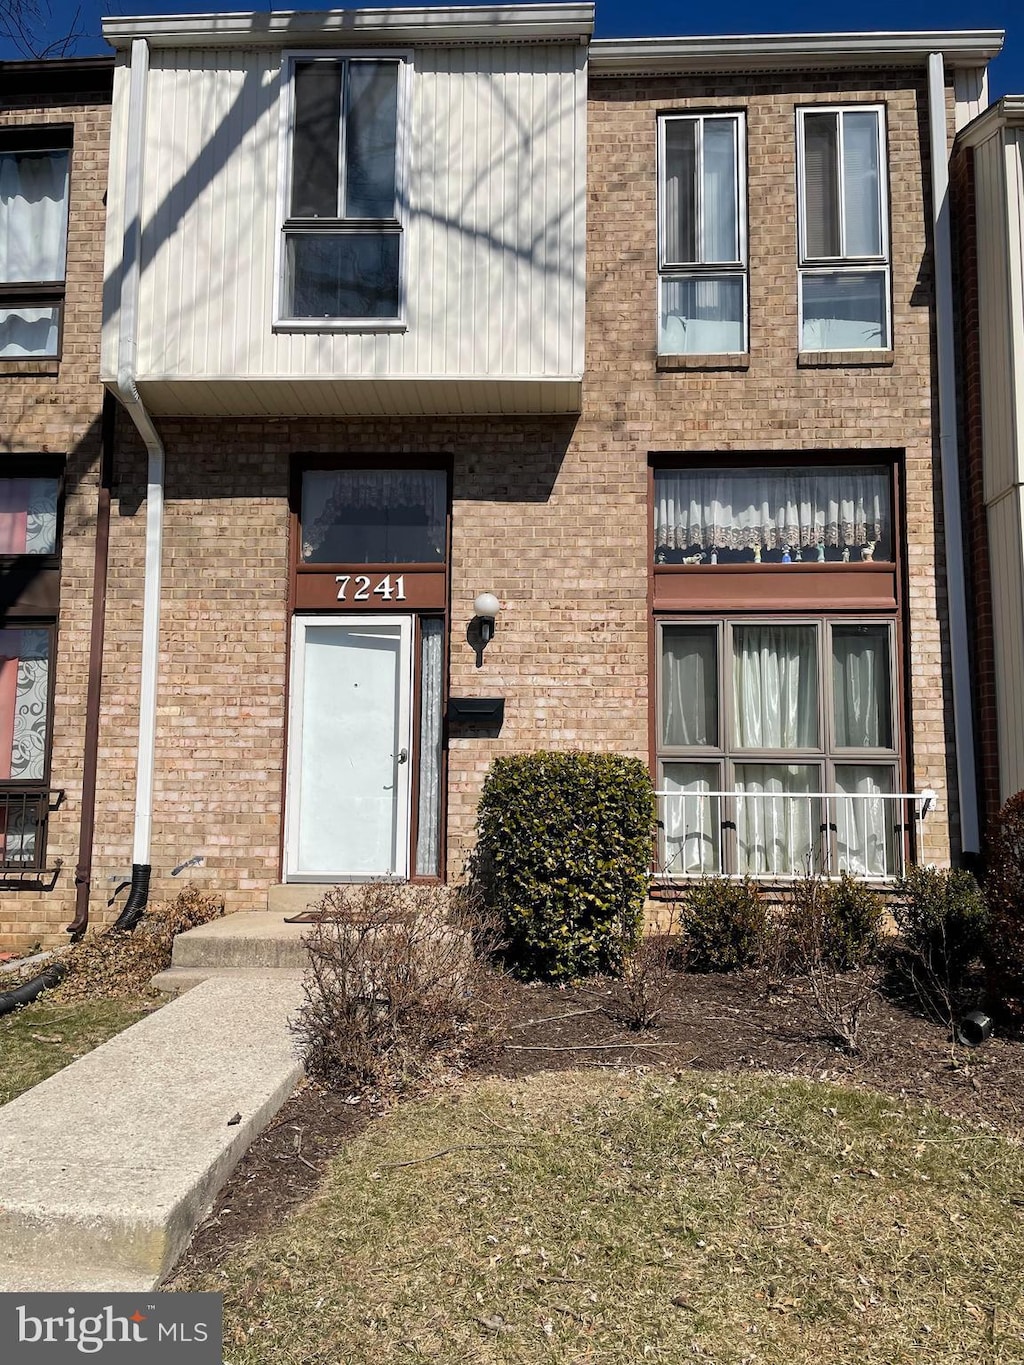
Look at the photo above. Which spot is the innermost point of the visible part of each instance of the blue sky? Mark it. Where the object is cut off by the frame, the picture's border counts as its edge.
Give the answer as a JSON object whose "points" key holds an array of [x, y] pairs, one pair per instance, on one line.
{"points": [[619, 18]]}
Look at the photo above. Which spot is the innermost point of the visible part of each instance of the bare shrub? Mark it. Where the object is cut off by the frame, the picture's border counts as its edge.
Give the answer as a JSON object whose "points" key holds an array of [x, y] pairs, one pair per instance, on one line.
{"points": [[647, 975], [393, 993], [114, 963]]}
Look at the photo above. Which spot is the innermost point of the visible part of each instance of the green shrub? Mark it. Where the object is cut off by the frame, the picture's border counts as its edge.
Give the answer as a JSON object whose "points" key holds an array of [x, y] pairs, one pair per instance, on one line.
{"points": [[835, 923], [723, 924], [564, 854], [944, 924], [1004, 891]]}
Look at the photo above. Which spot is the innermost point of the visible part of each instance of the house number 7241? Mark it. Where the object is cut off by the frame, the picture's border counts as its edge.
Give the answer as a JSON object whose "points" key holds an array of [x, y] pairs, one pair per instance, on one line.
{"points": [[387, 587]]}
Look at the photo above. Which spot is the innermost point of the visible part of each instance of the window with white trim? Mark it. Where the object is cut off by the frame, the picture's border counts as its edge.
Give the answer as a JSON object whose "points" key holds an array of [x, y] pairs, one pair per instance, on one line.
{"points": [[34, 171], [778, 747], [844, 241], [702, 272], [342, 230]]}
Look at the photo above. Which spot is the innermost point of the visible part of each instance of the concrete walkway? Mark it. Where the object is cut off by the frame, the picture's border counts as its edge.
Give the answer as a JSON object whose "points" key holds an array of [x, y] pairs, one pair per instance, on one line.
{"points": [[107, 1167]]}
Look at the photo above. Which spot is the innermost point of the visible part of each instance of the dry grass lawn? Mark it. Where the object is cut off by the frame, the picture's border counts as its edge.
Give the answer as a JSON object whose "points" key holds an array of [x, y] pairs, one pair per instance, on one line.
{"points": [[618, 1218]]}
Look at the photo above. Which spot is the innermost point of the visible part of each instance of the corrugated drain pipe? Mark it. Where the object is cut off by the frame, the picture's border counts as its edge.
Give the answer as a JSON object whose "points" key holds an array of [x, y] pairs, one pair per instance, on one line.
{"points": [[138, 896]]}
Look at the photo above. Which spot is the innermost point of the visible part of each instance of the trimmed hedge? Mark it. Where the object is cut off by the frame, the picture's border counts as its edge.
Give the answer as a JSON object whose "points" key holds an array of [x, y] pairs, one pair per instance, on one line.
{"points": [[723, 924], [564, 854]]}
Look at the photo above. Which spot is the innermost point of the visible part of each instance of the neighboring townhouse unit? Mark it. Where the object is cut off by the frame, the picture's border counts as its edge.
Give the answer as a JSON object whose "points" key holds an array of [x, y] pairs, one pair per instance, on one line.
{"points": [[348, 256], [54, 135], [988, 177]]}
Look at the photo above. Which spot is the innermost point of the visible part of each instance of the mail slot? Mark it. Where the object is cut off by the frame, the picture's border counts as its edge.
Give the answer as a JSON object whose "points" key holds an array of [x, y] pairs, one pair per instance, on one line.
{"points": [[476, 710]]}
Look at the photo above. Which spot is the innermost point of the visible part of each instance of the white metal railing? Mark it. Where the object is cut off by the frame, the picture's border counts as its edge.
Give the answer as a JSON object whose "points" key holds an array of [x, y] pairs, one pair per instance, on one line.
{"points": [[784, 836]]}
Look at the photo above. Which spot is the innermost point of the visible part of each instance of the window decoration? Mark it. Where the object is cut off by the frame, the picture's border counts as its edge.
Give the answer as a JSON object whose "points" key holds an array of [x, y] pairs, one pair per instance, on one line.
{"points": [[817, 513], [374, 516], [777, 747], [343, 227], [702, 234], [34, 171], [28, 516], [844, 249]]}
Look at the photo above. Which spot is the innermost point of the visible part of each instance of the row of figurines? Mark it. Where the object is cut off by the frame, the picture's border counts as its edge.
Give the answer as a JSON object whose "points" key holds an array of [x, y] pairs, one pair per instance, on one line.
{"points": [[867, 552]]}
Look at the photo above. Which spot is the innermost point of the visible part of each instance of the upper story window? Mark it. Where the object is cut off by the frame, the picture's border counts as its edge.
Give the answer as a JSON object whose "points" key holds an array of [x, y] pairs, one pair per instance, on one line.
{"points": [[702, 277], [844, 241], [374, 516], [343, 221], [34, 170]]}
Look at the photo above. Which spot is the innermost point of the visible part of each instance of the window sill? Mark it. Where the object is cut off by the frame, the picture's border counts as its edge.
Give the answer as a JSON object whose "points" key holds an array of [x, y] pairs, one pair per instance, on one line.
{"points": [[47, 367], [738, 360], [319, 325], [823, 360]]}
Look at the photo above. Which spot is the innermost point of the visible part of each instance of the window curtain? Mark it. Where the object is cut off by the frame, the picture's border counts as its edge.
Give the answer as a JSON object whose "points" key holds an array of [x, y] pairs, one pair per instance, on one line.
{"points": [[26, 332], [775, 687], [28, 516], [428, 828], [691, 822], [33, 216], [865, 829], [860, 684], [689, 686], [771, 509], [777, 830], [330, 498], [24, 694]]}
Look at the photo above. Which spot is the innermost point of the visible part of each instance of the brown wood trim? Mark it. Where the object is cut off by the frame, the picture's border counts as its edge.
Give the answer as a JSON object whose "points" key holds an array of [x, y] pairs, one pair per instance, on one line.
{"points": [[423, 591], [90, 754], [767, 592]]}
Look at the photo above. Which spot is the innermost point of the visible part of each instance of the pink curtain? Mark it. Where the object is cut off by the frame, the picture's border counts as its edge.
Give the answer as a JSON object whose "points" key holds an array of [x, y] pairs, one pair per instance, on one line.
{"points": [[14, 496]]}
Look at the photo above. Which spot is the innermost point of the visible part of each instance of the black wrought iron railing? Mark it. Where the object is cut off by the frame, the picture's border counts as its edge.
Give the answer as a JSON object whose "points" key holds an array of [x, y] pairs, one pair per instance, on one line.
{"points": [[24, 819]]}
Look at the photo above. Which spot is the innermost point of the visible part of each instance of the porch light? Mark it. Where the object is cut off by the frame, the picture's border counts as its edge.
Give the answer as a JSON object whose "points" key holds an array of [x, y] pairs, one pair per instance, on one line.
{"points": [[481, 628]]}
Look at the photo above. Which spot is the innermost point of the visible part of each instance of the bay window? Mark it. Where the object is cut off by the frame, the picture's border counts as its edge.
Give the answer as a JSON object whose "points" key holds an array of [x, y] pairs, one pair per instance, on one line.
{"points": [[843, 229], [777, 746], [342, 230], [34, 171], [702, 282]]}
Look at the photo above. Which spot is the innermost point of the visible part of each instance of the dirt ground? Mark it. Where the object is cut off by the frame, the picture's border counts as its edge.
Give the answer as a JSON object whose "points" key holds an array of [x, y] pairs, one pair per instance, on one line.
{"points": [[716, 1023]]}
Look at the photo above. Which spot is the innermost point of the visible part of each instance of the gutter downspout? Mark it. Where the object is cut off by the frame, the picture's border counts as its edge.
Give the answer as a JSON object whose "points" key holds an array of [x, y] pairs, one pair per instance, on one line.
{"points": [[83, 871], [138, 896], [963, 716]]}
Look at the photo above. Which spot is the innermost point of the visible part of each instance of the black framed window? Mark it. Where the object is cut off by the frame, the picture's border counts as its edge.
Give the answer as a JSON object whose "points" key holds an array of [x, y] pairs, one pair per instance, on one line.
{"points": [[35, 167]]}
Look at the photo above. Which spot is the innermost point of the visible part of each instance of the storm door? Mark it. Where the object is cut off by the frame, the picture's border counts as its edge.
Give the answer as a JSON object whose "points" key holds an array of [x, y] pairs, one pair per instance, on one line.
{"points": [[349, 748]]}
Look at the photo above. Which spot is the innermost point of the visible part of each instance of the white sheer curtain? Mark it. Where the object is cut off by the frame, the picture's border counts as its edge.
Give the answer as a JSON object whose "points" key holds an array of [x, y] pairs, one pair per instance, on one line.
{"points": [[775, 687], [689, 686], [865, 829], [391, 509], [775, 833], [691, 821], [860, 686], [740, 509], [428, 828], [33, 216]]}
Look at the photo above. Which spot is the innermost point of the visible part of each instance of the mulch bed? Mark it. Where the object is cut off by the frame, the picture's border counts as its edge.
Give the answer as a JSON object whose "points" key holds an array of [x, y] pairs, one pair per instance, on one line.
{"points": [[713, 1023]]}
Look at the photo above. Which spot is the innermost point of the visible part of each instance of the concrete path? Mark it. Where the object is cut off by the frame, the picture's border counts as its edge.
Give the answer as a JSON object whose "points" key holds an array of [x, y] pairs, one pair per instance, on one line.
{"points": [[107, 1167]]}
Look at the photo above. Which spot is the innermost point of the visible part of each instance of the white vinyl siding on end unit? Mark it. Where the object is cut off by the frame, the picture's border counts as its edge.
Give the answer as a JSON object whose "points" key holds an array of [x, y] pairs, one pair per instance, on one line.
{"points": [[844, 277], [702, 278]]}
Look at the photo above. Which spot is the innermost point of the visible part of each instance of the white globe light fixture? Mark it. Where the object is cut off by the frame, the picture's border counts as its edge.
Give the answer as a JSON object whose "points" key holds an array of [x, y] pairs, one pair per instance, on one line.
{"points": [[486, 606]]}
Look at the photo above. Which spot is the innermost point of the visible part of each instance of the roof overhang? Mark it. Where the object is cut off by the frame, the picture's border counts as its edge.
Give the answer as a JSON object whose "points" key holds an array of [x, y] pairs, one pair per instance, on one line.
{"points": [[442, 25], [790, 52], [1005, 113]]}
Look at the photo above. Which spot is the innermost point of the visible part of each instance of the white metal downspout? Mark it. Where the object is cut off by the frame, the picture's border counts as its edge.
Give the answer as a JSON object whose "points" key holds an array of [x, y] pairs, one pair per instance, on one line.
{"points": [[126, 364], [963, 716]]}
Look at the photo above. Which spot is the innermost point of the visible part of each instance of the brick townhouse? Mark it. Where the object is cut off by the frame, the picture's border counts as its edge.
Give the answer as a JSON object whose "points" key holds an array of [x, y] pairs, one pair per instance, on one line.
{"points": [[54, 139], [483, 387]]}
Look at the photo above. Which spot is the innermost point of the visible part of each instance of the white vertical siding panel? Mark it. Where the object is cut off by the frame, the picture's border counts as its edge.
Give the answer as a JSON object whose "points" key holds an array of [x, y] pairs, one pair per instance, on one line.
{"points": [[115, 223], [1007, 550], [995, 319], [1014, 173], [493, 245]]}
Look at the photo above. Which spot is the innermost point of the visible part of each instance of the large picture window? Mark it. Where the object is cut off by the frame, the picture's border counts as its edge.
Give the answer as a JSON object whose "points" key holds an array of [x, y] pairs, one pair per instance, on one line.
{"points": [[844, 246], [34, 170], [778, 748], [343, 219], [702, 280]]}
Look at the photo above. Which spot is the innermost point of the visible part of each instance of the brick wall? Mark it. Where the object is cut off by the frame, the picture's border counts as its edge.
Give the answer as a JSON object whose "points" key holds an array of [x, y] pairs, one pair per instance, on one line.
{"points": [[550, 514], [54, 407]]}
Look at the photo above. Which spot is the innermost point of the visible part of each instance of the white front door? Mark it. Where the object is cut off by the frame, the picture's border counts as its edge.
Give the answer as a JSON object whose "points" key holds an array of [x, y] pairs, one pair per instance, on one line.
{"points": [[349, 748]]}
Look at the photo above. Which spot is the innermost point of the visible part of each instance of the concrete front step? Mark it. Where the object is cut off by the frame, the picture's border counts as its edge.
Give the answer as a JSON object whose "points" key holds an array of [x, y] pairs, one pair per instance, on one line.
{"points": [[249, 938], [178, 980], [107, 1166]]}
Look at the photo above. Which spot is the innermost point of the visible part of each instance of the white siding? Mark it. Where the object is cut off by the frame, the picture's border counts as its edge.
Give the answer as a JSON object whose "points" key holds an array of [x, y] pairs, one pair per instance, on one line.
{"points": [[494, 240], [1006, 563]]}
